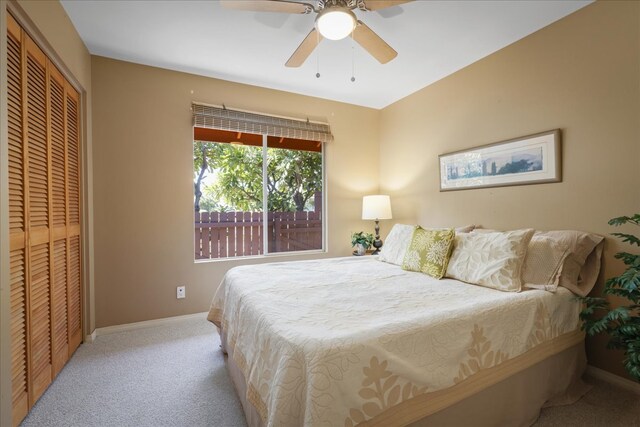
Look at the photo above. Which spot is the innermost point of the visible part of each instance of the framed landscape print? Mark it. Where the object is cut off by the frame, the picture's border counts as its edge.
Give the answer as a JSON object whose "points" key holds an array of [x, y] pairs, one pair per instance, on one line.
{"points": [[532, 159]]}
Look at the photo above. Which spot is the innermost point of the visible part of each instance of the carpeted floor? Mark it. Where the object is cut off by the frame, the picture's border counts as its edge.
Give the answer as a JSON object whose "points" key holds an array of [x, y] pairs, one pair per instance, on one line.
{"points": [[175, 375], [163, 376], [604, 405]]}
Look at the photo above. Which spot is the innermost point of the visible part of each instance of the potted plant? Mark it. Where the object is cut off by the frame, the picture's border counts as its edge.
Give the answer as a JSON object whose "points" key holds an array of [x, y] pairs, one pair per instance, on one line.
{"points": [[361, 241], [622, 323]]}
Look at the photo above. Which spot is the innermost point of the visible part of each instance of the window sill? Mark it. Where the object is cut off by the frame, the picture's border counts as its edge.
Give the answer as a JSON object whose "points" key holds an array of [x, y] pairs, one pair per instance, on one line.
{"points": [[274, 256]]}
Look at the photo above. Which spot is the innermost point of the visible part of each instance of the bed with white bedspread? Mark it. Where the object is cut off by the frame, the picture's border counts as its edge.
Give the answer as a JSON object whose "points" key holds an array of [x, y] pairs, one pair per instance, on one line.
{"points": [[346, 341]]}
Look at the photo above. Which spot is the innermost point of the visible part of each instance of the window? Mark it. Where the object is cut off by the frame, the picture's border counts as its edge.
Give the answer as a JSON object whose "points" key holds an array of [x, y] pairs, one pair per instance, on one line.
{"points": [[243, 181]]}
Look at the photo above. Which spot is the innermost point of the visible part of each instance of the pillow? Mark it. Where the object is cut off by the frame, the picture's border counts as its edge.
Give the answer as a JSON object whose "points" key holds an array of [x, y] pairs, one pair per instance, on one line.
{"points": [[397, 242], [589, 271], [543, 263], [493, 260], [395, 246], [429, 251], [484, 230], [578, 275]]}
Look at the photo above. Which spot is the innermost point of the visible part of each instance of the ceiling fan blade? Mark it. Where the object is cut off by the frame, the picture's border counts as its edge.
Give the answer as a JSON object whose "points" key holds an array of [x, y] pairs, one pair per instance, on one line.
{"points": [[267, 6], [304, 50], [383, 4], [373, 44]]}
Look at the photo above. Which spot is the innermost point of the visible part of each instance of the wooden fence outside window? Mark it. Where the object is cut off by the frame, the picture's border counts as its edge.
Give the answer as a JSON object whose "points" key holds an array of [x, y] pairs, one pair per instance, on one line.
{"points": [[234, 234]]}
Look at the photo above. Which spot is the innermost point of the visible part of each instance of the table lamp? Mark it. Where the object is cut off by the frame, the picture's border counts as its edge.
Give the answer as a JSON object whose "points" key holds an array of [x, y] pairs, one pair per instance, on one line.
{"points": [[376, 207]]}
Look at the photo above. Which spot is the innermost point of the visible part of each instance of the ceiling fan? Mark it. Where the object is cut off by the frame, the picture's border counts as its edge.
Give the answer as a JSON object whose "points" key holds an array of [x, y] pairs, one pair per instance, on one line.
{"points": [[335, 21]]}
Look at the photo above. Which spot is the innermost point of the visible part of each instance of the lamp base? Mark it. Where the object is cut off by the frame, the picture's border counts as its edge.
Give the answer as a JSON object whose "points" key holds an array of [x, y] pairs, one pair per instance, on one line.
{"points": [[377, 243]]}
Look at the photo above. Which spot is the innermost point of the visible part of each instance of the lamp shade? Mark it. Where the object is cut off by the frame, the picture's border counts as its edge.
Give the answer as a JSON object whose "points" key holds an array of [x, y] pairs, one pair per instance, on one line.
{"points": [[376, 207]]}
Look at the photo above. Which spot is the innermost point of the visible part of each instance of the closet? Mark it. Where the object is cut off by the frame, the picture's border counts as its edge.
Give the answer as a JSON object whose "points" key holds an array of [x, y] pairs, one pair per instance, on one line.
{"points": [[44, 219]]}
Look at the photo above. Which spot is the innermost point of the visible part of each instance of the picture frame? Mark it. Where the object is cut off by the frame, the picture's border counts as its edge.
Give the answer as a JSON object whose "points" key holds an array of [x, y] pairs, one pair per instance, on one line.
{"points": [[531, 159]]}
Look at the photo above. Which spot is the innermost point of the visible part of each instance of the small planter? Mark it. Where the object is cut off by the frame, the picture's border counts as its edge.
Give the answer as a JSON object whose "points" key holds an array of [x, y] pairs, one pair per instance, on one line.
{"points": [[361, 241]]}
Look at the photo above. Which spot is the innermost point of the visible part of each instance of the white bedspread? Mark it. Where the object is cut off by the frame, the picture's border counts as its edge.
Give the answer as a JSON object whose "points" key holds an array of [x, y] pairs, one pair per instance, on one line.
{"points": [[335, 342]]}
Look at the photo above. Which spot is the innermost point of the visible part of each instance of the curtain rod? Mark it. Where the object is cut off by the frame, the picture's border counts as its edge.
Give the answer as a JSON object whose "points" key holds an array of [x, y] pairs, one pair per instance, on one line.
{"points": [[224, 107]]}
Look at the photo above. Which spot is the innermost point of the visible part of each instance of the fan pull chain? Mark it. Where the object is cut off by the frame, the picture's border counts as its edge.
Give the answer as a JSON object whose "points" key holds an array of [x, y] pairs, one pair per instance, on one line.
{"points": [[318, 54], [353, 59]]}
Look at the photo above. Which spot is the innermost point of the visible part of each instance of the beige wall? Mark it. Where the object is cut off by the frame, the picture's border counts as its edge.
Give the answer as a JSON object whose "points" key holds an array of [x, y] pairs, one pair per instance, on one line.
{"points": [[52, 21], [143, 169], [51, 25], [580, 74]]}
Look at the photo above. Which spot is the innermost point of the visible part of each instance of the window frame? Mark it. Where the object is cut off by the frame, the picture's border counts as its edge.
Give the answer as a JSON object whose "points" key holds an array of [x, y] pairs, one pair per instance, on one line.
{"points": [[265, 212]]}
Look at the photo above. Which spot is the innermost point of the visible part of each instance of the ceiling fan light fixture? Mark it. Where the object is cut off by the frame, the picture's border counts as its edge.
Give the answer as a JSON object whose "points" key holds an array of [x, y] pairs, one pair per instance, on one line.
{"points": [[336, 23]]}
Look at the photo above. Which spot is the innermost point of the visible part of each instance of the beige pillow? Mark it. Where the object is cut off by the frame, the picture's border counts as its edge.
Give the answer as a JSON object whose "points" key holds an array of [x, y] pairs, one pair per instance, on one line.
{"points": [[396, 244], [578, 275], [485, 230], [589, 271], [493, 260], [543, 263], [465, 229]]}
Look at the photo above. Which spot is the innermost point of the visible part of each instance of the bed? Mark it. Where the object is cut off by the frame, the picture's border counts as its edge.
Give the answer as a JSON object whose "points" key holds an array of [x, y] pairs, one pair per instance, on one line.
{"points": [[355, 341]]}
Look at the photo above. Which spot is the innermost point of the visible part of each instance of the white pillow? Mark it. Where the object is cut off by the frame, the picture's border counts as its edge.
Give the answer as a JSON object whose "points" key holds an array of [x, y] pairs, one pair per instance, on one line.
{"points": [[396, 245], [543, 263], [493, 260]]}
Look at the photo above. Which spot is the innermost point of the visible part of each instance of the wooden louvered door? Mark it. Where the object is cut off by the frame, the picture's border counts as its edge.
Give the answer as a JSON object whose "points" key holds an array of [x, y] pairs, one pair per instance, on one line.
{"points": [[17, 223], [44, 200], [58, 220], [72, 163], [37, 178]]}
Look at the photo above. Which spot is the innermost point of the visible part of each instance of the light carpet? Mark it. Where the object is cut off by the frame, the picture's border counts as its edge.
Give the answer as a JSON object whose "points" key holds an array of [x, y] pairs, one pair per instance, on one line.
{"points": [[175, 375], [172, 375]]}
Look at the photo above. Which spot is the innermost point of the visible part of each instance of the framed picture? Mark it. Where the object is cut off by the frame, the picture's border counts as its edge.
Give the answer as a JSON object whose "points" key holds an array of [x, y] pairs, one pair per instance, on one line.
{"points": [[532, 159]]}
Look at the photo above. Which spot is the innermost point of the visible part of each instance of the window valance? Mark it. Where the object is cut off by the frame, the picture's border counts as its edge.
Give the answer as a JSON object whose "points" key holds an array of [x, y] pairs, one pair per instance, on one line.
{"points": [[211, 117]]}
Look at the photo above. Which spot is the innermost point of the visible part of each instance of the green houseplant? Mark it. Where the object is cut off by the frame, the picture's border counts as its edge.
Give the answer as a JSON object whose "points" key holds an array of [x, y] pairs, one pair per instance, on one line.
{"points": [[622, 323], [361, 241]]}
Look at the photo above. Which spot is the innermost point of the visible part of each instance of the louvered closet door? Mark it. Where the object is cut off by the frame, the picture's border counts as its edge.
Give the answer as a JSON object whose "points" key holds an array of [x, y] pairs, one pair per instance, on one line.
{"points": [[58, 220], [37, 178], [44, 219], [74, 272], [18, 265]]}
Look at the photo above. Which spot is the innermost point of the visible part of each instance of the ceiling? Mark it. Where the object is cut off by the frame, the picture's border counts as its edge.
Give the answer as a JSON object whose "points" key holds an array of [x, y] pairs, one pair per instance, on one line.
{"points": [[433, 39]]}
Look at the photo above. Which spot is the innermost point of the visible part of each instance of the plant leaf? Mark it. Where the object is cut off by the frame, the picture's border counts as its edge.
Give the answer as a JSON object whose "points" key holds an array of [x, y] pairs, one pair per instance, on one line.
{"points": [[635, 219], [627, 238], [627, 258]]}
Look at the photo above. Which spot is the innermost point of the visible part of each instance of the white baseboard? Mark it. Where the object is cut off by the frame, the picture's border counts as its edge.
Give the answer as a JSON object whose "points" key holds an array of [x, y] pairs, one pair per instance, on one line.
{"points": [[91, 337], [613, 379], [141, 325]]}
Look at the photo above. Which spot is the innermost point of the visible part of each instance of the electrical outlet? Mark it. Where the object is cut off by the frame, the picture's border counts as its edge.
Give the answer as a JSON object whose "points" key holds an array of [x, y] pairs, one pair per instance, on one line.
{"points": [[181, 292]]}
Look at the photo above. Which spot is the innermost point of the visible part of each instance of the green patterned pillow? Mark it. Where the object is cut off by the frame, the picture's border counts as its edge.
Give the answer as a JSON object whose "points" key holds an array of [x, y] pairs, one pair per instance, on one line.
{"points": [[429, 251]]}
